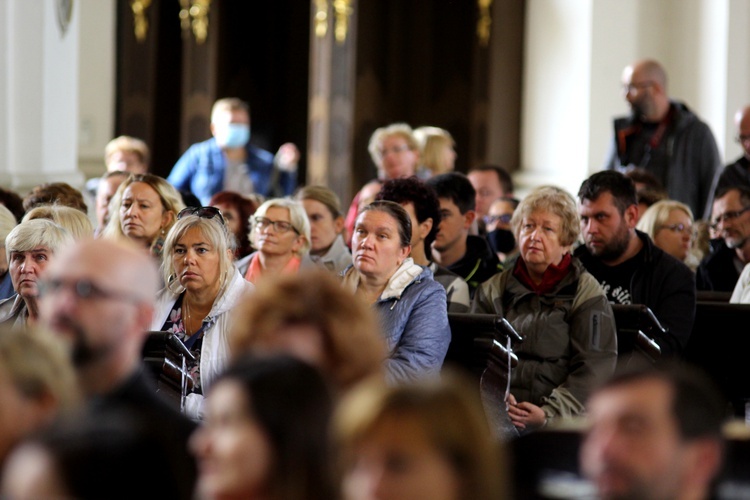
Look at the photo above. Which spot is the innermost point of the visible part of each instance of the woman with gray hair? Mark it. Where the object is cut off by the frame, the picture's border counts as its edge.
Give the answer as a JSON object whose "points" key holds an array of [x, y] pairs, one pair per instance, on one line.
{"points": [[280, 230], [202, 288], [568, 326], [29, 247], [7, 223]]}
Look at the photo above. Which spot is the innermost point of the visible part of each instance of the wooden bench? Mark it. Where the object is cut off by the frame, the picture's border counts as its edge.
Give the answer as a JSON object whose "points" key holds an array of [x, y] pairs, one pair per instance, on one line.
{"points": [[720, 345]]}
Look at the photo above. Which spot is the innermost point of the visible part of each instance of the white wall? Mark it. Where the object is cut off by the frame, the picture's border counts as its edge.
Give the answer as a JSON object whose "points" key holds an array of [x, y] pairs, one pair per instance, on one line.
{"points": [[96, 92]]}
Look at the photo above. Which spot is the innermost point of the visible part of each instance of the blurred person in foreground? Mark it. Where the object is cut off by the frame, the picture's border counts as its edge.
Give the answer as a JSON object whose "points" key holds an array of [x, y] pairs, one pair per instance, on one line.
{"points": [[98, 296], [426, 439], [310, 316], [654, 434]]}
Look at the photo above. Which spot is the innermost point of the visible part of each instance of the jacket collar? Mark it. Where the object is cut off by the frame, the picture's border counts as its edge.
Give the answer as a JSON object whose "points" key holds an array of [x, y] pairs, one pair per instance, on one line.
{"points": [[406, 273]]}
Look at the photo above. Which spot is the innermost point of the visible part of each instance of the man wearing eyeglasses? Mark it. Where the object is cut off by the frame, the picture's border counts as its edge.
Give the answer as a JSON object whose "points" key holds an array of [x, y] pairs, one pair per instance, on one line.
{"points": [[665, 138], [738, 173], [730, 220], [98, 296]]}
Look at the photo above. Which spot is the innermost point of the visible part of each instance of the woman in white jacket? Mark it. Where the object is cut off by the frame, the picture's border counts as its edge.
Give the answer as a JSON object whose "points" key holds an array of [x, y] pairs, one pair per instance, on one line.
{"points": [[202, 287]]}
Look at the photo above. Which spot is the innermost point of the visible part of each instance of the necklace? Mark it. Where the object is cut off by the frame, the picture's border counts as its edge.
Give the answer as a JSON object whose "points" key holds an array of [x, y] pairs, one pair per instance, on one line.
{"points": [[188, 318]]}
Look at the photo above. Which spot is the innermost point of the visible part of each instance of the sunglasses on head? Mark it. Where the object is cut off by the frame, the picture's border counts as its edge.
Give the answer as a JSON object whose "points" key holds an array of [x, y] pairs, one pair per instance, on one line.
{"points": [[203, 213]]}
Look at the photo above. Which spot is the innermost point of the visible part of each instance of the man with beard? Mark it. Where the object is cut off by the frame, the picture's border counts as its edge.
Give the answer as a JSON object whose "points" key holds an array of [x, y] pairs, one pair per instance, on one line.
{"points": [[654, 434], [98, 295], [720, 270], [665, 138], [630, 268]]}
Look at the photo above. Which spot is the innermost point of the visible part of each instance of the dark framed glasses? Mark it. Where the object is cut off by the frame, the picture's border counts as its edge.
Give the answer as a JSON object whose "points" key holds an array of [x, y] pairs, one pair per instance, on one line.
{"points": [[203, 213], [728, 216], [280, 226], [85, 289]]}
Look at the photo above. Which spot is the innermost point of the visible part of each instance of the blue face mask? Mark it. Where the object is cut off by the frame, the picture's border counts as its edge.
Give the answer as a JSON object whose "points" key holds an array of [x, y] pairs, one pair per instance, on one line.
{"points": [[234, 135]]}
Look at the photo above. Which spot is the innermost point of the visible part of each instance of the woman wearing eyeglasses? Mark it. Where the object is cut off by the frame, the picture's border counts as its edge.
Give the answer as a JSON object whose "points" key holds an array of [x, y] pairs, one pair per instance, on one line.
{"points": [[669, 223], [203, 286], [143, 209], [280, 230]]}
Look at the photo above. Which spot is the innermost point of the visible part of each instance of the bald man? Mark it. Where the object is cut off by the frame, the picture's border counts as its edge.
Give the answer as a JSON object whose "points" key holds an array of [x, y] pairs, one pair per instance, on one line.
{"points": [[98, 295], [664, 137], [738, 173]]}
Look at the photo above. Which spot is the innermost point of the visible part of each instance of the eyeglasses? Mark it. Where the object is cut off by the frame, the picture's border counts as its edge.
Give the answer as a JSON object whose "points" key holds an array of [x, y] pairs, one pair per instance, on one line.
{"points": [[636, 87], [741, 139], [491, 219], [84, 289], [678, 228], [280, 226], [203, 213], [727, 216]]}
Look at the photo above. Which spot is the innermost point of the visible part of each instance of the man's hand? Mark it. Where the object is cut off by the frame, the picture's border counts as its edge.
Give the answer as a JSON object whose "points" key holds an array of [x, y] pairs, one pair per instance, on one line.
{"points": [[287, 157]]}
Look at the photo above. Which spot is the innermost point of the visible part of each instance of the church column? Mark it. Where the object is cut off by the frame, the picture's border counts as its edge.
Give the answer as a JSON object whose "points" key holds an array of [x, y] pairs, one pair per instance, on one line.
{"points": [[39, 93], [332, 59]]}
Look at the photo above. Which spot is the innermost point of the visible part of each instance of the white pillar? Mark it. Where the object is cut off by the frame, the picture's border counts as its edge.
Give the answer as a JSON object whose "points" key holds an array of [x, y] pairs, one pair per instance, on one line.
{"points": [[38, 95]]}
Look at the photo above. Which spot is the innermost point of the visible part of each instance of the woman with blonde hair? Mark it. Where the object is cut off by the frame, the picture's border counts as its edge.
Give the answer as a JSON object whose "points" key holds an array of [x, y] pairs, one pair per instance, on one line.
{"points": [[280, 230], [425, 439], [310, 316], [143, 210], [37, 381], [437, 151], [669, 223], [203, 287], [76, 222]]}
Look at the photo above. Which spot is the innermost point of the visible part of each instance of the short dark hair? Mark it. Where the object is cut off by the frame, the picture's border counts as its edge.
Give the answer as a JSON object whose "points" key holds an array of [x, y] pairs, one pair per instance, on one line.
{"points": [[697, 403], [55, 193], [397, 212], [621, 187], [423, 197], [456, 187], [506, 181], [744, 192], [13, 202]]}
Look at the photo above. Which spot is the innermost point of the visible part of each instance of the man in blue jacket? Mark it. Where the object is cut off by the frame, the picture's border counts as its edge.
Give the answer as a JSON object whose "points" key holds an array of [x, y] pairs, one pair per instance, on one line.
{"points": [[630, 268], [227, 161]]}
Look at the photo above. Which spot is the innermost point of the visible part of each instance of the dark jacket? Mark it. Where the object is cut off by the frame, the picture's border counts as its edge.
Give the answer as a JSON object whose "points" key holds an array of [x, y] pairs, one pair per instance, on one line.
{"points": [[137, 400], [688, 148], [666, 286], [717, 271], [478, 264], [201, 168], [570, 341]]}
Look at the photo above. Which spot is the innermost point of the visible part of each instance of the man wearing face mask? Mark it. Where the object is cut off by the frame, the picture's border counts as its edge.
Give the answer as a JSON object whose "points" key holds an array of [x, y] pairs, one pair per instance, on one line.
{"points": [[227, 161]]}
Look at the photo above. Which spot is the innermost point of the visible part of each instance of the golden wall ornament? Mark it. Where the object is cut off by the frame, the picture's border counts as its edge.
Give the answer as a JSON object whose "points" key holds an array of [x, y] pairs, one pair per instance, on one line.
{"points": [[484, 24], [195, 15], [140, 18], [321, 18], [343, 9]]}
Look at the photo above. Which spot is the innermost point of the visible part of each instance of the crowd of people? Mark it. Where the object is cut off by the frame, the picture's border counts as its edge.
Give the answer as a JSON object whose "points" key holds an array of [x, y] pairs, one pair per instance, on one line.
{"points": [[311, 338]]}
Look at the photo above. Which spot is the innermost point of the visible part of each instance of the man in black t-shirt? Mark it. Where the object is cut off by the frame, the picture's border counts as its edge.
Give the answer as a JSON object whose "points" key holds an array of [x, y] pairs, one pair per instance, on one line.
{"points": [[625, 261]]}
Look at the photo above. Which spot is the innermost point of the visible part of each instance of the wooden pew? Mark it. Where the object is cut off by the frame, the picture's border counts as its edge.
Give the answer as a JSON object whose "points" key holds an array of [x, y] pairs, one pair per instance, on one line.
{"points": [[720, 345], [481, 345], [637, 327]]}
